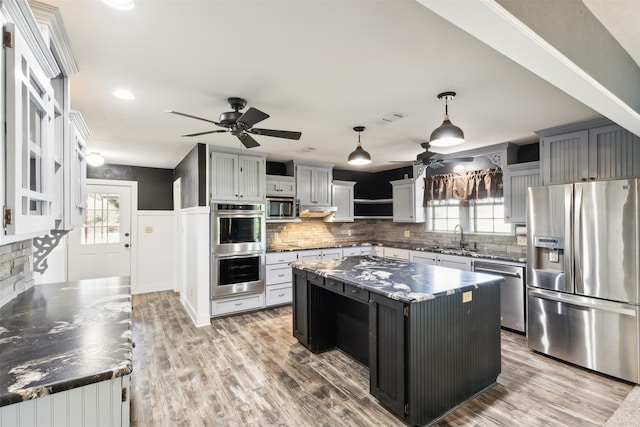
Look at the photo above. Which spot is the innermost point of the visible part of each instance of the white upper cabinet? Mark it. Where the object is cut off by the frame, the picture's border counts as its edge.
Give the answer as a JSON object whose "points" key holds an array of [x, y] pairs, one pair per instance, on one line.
{"points": [[29, 112], [408, 200], [516, 179], [342, 198], [236, 177], [281, 186], [313, 182], [588, 151], [77, 170]]}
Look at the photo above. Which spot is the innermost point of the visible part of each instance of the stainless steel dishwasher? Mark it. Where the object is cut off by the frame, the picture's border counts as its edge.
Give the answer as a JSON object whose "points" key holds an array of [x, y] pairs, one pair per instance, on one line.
{"points": [[512, 292]]}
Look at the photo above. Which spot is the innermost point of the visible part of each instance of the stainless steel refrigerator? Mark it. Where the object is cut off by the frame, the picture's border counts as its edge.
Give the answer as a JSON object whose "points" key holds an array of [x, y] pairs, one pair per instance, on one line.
{"points": [[582, 275]]}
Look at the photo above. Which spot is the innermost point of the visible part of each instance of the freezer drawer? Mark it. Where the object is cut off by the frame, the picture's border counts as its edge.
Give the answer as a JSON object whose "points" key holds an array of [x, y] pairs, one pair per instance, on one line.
{"points": [[595, 334]]}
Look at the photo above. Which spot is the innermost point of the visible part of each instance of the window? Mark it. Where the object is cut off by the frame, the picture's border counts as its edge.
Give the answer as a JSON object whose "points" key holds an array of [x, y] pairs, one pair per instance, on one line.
{"points": [[102, 223], [475, 216]]}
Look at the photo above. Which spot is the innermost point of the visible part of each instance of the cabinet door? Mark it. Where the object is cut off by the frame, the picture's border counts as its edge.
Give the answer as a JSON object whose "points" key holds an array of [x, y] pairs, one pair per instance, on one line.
{"points": [[287, 188], [565, 158], [322, 186], [454, 261], [331, 253], [304, 182], [77, 166], [251, 178], [30, 140], [300, 302], [342, 198], [613, 153], [224, 177], [423, 257], [516, 181], [387, 352], [403, 203]]}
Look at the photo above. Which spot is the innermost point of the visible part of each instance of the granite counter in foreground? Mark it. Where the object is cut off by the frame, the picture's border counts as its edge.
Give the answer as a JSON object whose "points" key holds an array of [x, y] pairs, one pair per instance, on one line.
{"points": [[397, 279], [56, 337]]}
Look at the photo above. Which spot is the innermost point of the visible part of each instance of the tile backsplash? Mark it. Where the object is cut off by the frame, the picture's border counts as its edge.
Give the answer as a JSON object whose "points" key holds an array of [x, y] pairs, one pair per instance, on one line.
{"points": [[16, 270], [313, 232]]}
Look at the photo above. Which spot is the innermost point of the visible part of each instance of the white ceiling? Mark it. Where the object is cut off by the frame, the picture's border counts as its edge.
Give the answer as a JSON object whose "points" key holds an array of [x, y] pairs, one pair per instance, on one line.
{"points": [[316, 66]]}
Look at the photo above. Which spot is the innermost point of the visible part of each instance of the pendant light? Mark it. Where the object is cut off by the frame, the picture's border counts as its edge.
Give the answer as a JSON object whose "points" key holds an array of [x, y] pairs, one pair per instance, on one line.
{"points": [[359, 156], [447, 134]]}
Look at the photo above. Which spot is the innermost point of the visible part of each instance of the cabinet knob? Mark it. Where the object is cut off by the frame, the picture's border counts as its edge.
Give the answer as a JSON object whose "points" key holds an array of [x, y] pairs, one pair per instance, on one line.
{"points": [[592, 178], [126, 245], [583, 179]]}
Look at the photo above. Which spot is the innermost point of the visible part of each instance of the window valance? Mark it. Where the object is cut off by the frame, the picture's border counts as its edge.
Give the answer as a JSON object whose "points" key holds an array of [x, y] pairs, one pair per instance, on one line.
{"points": [[472, 185]]}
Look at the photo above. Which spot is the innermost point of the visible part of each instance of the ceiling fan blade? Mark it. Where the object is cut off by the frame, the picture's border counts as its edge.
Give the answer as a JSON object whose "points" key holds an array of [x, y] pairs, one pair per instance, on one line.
{"points": [[457, 160], [247, 140], [252, 116], [435, 165], [277, 133], [207, 132], [191, 117]]}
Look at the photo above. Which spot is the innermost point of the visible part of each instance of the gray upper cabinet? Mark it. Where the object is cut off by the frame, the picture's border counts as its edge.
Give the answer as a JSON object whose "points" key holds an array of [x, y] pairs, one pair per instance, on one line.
{"points": [[517, 178], [588, 151]]}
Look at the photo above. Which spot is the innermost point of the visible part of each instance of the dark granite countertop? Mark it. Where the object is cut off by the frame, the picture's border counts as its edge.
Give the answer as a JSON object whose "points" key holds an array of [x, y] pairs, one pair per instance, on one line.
{"points": [[397, 279], [436, 249], [55, 337]]}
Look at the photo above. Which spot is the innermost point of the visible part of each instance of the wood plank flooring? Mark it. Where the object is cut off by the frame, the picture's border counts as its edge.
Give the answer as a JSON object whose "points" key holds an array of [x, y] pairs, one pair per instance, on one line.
{"points": [[248, 370]]}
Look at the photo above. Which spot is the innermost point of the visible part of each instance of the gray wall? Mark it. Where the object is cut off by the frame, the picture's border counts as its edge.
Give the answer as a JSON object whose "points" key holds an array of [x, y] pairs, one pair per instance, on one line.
{"points": [[192, 171]]}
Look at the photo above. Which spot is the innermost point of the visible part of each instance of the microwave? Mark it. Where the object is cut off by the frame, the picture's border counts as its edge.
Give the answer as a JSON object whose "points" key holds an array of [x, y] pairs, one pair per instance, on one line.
{"points": [[282, 208]]}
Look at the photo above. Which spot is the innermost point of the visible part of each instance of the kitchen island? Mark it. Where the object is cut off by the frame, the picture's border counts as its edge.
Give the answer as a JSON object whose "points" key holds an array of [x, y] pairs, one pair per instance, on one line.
{"points": [[429, 335], [66, 354]]}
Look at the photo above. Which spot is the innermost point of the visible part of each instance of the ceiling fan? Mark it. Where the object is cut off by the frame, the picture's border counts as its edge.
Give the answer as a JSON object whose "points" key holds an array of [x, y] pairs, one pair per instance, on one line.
{"points": [[426, 158], [240, 124]]}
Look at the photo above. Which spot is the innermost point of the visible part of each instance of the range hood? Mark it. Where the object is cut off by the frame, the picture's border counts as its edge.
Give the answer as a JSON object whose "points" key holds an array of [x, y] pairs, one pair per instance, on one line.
{"points": [[316, 211]]}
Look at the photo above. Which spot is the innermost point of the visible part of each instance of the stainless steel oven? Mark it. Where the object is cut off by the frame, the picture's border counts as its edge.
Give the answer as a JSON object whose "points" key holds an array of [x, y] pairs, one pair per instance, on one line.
{"points": [[235, 274], [237, 228]]}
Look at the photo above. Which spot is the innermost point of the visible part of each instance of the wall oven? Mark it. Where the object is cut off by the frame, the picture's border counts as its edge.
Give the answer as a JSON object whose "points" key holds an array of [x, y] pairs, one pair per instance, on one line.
{"points": [[237, 228], [237, 249], [235, 274]]}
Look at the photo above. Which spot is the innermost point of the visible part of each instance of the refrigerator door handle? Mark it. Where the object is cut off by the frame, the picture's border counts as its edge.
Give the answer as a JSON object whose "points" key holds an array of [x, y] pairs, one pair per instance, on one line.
{"points": [[584, 302], [577, 239]]}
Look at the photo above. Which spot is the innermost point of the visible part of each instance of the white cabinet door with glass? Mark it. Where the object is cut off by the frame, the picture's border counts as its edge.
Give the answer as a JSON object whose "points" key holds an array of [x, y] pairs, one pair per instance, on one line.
{"points": [[29, 130], [237, 177]]}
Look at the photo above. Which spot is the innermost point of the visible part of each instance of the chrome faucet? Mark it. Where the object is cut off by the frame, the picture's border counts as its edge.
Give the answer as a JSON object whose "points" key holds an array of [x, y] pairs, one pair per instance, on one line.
{"points": [[462, 242]]}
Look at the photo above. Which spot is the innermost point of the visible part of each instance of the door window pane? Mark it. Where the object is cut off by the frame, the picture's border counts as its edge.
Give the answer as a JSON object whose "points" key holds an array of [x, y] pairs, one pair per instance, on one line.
{"points": [[102, 220]]}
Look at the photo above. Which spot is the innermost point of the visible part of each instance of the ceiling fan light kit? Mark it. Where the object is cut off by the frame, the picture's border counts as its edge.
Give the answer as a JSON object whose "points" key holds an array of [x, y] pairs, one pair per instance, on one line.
{"points": [[240, 124], [359, 156], [448, 134]]}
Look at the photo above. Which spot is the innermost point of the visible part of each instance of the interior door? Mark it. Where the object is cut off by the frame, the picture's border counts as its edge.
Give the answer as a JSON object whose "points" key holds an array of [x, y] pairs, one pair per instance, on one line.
{"points": [[101, 247]]}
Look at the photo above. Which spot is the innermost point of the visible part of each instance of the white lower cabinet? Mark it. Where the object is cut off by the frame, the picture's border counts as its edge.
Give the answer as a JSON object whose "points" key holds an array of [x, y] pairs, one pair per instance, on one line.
{"points": [[331, 253], [237, 304], [105, 403], [356, 250], [310, 255], [396, 253], [423, 257], [278, 278], [455, 261]]}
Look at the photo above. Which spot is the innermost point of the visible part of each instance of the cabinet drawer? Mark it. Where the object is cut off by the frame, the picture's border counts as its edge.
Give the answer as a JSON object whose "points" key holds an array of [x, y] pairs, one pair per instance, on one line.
{"points": [[278, 273], [334, 285], [235, 305], [281, 257], [276, 295], [353, 251], [314, 278], [356, 293]]}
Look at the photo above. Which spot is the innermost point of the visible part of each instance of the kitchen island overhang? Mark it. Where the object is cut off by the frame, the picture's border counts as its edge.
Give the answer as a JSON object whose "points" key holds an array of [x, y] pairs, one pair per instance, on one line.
{"points": [[431, 334]]}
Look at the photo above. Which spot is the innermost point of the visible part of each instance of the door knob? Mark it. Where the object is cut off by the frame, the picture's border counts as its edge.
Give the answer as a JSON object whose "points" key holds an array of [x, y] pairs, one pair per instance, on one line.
{"points": [[126, 245]]}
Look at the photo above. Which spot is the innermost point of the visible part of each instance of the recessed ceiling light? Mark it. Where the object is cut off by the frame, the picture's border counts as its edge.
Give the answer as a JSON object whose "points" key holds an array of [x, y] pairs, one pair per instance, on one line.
{"points": [[123, 94], [120, 4]]}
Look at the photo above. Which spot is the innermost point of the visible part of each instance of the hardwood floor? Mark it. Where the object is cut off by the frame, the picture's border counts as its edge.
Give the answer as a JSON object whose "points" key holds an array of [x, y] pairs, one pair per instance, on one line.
{"points": [[249, 370]]}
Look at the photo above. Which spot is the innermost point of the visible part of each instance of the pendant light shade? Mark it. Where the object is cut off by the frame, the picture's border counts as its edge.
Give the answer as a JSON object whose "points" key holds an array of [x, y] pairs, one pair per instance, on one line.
{"points": [[359, 156], [447, 134]]}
